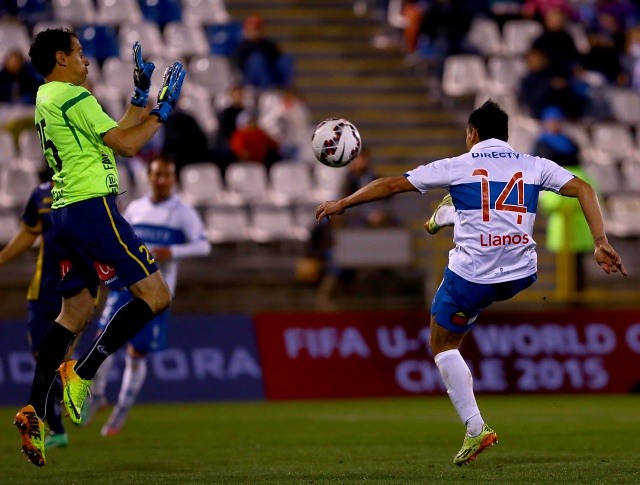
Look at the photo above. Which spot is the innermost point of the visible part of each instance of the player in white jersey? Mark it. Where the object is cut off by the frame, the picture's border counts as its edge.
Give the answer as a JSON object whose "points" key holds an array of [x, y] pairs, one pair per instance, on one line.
{"points": [[172, 230], [494, 190]]}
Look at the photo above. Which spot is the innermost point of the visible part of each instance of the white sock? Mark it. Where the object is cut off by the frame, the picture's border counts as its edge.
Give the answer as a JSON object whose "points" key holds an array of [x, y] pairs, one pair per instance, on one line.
{"points": [[445, 215], [457, 378], [135, 373], [101, 378]]}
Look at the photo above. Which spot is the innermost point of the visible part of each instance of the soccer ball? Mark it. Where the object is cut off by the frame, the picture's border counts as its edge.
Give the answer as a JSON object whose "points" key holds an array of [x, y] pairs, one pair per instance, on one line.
{"points": [[336, 142]]}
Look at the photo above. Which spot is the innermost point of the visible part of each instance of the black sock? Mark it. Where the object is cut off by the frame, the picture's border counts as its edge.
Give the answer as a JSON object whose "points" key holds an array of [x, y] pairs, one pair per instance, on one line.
{"points": [[53, 349], [127, 322], [54, 416]]}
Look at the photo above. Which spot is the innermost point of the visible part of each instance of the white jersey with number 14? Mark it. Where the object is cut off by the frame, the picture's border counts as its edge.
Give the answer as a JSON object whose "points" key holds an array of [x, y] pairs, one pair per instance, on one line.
{"points": [[495, 193]]}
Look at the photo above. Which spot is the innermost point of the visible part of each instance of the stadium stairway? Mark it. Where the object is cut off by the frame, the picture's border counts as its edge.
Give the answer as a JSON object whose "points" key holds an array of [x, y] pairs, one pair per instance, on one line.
{"points": [[341, 74]]}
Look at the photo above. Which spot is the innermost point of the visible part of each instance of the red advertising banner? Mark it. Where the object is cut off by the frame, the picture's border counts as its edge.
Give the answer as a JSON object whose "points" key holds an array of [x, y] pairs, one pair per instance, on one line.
{"points": [[312, 355]]}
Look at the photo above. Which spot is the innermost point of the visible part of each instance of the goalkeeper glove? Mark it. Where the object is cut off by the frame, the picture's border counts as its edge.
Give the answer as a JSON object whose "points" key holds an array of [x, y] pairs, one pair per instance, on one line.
{"points": [[142, 72], [169, 91]]}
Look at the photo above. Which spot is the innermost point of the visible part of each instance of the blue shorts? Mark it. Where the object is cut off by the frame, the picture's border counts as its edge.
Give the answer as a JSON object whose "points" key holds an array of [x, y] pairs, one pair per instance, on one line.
{"points": [[152, 337], [40, 316], [458, 302], [98, 245]]}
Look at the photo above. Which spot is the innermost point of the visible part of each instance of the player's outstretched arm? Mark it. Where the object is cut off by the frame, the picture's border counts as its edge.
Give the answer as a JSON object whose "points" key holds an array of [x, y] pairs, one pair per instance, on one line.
{"points": [[381, 188], [137, 109], [604, 254], [20, 242]]}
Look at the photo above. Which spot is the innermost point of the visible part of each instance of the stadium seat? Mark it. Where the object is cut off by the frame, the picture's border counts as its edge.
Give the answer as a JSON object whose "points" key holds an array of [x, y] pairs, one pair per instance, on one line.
{"points": [[9, 226], [197, 101], [613, 138], [485, 36], [7, 147], [622, 215], [291, 182], [117, 12], [224, 38], [99, 41], [30, 12], [74, 12], [518, 35], [202, 185], [51, 24], [249, 180], [272, 224], [578, 133], [227, 225], [328, 182], [212, 72], [30, 150], [117, 74], [624, 104], [464, 74], [14, 35], [505, 73], [147, 33], [186, 41], [630, 168], [161, 12], [608, 177], [16, 186], [204, 12]]}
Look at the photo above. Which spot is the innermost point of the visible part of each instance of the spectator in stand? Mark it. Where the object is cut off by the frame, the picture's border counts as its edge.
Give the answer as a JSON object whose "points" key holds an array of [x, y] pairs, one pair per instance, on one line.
{"points": [[251, 143], [227, 124], [540, 88], [184, 141], [553, 142], [632, 57], [539, 9], [606, 41], [445, 24], [19, 81], [557, 43], [288, 121], [259, 59], [412, 12]]}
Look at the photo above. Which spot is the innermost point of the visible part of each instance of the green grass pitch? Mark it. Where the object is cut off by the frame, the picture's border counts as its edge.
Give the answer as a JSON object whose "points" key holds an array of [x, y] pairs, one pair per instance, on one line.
{"points": [[542, 439]]}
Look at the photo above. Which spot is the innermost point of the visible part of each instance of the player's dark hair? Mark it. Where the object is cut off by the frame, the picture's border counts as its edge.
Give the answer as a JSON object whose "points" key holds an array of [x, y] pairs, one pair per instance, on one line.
{"points": [[162, 158], [44, 47], [490, 121]]}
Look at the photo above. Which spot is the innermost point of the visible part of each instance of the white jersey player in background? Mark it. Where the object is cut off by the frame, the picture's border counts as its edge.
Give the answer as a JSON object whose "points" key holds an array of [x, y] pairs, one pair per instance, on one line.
{"points": [[172, 230], [494, 192]]}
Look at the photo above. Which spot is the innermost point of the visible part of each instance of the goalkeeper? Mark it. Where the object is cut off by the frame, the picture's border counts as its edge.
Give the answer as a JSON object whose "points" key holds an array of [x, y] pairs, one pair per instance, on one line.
{"points": [[79, 141]]}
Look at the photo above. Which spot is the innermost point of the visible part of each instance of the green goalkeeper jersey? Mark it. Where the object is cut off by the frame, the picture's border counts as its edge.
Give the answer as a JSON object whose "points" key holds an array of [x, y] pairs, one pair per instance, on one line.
{"points": [[71, 123]]}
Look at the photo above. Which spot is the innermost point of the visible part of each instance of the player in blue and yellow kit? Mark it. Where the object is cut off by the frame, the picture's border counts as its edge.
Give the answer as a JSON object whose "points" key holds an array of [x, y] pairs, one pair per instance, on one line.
{"points": [[43, 299], [79, 140]]}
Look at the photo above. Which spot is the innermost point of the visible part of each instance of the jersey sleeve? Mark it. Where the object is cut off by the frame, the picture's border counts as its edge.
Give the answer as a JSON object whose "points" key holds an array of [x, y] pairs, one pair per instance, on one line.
{"points": [[196, 243], [31, 214], [553, 176], [430, 176]]}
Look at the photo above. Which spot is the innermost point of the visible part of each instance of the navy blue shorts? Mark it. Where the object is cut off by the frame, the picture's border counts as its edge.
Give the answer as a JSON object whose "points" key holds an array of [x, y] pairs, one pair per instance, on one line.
{"points": [[458, 302], [152, 337], [98, 245], [40, 316]]}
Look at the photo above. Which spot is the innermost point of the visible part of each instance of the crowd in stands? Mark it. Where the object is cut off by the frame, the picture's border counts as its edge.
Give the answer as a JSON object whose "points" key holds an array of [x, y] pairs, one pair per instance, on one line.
{"points": [[239, 104]]}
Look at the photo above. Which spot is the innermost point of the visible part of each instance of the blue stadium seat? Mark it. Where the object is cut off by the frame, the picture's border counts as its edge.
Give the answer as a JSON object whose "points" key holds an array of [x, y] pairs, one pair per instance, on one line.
{"points": [[224, 38], [33, 11], [161, 11], [99, 41]]}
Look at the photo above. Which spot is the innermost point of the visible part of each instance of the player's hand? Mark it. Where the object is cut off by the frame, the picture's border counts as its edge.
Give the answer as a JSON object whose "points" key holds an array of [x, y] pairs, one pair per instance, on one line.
{"points": [[142, 72], [169, 91], [608, 259], [328, 209]]}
